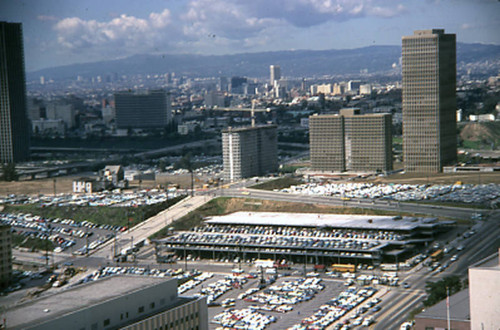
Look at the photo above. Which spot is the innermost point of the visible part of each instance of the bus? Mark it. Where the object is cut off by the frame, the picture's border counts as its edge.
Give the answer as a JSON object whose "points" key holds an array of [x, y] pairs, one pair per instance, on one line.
{"points": [[437, 255], [343, 268]]}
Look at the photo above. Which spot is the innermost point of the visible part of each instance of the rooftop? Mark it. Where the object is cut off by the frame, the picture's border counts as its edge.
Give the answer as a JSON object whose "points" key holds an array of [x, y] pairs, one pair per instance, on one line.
{"points": [[247, 128], [78, 297], [491, 262], [346, 221], [459, 308]]}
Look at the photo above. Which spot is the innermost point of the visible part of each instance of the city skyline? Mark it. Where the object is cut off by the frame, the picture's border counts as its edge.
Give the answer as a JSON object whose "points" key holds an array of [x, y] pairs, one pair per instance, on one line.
{"points": [[58, 33]]}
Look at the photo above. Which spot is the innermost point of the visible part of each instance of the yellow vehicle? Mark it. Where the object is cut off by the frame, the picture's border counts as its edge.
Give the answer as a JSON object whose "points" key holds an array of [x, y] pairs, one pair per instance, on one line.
{"points": [[344, 268], [437, 255]]}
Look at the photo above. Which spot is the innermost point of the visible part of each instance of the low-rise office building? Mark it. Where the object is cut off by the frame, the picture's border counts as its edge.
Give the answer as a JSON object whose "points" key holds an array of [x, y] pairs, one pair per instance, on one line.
{"points": [[116, 302]]}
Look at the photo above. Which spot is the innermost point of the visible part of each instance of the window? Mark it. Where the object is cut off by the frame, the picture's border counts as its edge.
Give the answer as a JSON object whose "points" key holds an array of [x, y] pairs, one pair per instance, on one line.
{"points": [[152, 305], [141, 309], [106, 322], [126, 315], [121, 316]]}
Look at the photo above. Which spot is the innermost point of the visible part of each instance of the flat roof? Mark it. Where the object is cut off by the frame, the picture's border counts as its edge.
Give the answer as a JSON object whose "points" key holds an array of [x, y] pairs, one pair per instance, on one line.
{"points": [[238, 129], [459, 308], [77, 297], [344, 221], [491, 262]]}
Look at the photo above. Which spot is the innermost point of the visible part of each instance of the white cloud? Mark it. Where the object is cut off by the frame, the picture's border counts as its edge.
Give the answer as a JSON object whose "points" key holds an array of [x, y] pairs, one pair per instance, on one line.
{"points": [[121, 35], [212, 26]]}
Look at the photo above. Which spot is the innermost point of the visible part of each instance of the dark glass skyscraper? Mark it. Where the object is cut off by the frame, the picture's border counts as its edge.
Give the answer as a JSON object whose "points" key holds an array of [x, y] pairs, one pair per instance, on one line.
{"points": [[14, 123], [429, 101], [146, 109]]}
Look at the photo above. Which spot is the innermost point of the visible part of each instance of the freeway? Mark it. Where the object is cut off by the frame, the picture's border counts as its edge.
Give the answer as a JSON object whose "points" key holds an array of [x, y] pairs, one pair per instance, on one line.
{"points": [[402, 301], [84, 165]]}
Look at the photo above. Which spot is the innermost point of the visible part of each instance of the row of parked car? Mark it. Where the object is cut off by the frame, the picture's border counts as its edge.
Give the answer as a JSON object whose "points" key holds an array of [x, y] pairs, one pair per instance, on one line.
{"points": [[195, 281], [106, 198], [110, 271], [457, 193], [288, 293], [218, 288], [336, 308], [299, 232], [271, 241], [243, 319]]}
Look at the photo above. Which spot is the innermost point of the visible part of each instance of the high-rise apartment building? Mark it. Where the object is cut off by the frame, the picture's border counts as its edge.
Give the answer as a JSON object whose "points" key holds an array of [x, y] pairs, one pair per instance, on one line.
{"points": [[151, 109], [275, 73], [14, 123], [249, 151], [351, 142], [429, 101]]}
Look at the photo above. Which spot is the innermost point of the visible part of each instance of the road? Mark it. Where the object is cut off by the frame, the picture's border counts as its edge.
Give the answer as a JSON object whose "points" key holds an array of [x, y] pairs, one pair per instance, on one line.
{"points": [[150, 226], [402, 301]]}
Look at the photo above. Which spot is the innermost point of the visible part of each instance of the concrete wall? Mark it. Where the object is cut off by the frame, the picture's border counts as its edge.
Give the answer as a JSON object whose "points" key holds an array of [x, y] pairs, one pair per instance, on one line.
{"points": [[484, 288]]}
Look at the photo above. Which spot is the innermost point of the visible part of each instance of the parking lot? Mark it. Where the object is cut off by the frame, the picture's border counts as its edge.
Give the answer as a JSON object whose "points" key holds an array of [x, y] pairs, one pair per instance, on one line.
{"points": [[457, 193], [106, 198], [66, 234]]}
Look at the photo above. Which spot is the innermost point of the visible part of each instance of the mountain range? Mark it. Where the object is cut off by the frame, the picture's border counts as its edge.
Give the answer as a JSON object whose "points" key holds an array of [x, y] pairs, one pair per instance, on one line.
{"points": [[294, 63]]}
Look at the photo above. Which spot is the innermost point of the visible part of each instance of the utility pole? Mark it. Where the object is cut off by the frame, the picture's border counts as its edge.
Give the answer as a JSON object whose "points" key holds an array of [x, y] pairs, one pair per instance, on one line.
{"points": [[448, 307], [87, 241]]}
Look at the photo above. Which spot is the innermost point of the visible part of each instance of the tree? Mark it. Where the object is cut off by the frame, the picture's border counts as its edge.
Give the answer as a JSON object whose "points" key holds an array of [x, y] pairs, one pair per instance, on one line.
{"points": [[437, 291], [9, 172]]}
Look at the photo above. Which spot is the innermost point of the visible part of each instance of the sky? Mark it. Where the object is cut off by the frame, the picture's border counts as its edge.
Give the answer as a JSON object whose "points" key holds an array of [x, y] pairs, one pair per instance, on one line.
{"points": [[60, 32]]}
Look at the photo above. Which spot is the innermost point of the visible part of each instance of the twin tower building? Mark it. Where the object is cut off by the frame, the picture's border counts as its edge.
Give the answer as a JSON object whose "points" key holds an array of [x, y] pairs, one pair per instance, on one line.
{"points": [[351, 141]]}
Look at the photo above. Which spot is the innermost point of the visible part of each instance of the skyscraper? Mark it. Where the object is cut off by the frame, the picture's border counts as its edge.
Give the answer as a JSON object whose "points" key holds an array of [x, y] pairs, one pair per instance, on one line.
{"points": [[249, 151], [429, 101], [275, 73], [14, 123], [151, 109]]}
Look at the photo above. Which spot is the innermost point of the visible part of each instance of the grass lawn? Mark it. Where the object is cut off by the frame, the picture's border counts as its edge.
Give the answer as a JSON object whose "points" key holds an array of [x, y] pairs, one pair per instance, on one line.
{"points": [[279, 183]]}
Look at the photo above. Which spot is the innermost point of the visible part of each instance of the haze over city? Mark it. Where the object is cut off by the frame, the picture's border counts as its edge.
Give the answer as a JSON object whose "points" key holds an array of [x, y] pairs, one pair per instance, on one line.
{"points": [[65, 32]]}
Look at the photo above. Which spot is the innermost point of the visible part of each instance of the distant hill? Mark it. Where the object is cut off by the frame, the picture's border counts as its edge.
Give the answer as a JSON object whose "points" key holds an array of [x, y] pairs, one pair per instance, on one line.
{"points": [[299, 63]]}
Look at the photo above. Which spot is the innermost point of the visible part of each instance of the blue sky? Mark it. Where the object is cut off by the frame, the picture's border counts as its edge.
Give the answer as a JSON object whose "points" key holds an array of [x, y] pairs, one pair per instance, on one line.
{"points": [[58, 32]]}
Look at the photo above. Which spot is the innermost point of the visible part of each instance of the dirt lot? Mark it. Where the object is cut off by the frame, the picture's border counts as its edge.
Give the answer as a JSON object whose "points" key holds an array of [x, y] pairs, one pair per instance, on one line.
{"points": [[65, 184]]}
